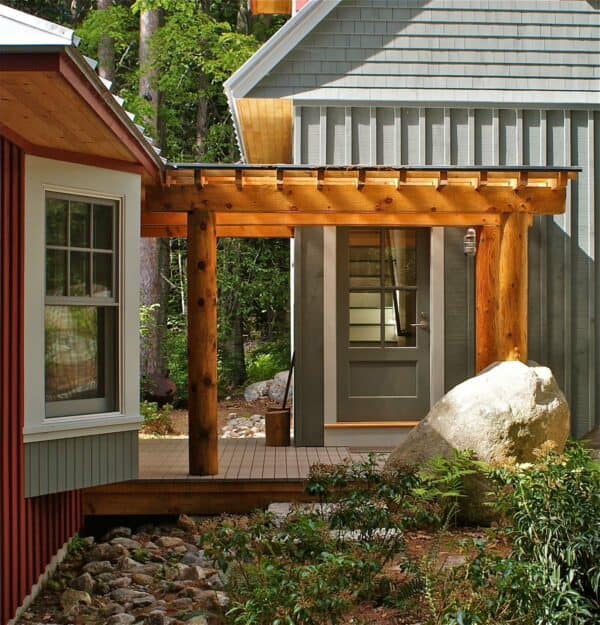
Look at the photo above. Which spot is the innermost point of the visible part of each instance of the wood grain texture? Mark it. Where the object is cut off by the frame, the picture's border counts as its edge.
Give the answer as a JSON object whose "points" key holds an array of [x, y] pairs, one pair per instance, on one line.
{"points": [[487, 296], [266, 129], [271, 7], [512, 303], [202, 343]]}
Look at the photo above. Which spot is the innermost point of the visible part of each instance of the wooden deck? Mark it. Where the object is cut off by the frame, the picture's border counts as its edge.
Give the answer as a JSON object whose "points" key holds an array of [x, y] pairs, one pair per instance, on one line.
{"points": [[251, 475]]}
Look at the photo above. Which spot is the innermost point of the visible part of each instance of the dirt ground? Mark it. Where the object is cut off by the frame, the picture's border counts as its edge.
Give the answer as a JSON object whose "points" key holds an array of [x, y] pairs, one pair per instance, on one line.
{"points": [[238, 405]]}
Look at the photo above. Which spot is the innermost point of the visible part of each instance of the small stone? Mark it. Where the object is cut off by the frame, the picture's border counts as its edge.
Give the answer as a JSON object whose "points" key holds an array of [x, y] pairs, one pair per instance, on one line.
{"points": [[117, 532], [157, 618], [97, 567], [453, 562], [169, 542], [104, 551], [126, 595], [83, 582], [221, 599], [141, 579], [151, 546], [72, 598], [128, 543], [120, 582], [186, 523], [143, 602], [181, 603], [111, 608], [197, 620], [121, 619]]}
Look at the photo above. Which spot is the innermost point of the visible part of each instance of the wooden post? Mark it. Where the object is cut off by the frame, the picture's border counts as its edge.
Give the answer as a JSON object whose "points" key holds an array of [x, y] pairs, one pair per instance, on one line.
{"points": [[486, 296], [512, 303], [202, 343]]}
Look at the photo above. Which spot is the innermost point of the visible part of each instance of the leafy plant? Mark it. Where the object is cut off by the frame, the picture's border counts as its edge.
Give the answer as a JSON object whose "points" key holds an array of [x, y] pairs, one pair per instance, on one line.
{"points": [[157, 421]]}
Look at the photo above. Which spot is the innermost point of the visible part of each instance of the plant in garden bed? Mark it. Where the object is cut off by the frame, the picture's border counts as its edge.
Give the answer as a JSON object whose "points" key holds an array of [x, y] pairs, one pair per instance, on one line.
{"points": [[552, 575], [157, 421]]}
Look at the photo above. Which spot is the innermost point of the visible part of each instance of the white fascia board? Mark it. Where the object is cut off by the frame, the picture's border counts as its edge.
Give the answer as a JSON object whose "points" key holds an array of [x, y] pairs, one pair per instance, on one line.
{"points": [[278, 47], [19, 28]]}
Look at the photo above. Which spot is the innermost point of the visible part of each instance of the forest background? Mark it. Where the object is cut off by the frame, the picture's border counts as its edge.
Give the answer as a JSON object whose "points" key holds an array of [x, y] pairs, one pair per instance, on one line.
{"points": [[168, 60]]}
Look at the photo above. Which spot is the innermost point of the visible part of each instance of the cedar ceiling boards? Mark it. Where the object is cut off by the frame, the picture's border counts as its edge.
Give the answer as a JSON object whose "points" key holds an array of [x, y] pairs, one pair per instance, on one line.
{"points": [[271, 7]]}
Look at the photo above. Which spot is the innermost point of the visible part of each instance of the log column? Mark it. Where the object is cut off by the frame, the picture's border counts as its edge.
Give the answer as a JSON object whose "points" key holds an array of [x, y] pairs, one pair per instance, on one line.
{"points": [[202, 343], [512, 303], [487, 291]]}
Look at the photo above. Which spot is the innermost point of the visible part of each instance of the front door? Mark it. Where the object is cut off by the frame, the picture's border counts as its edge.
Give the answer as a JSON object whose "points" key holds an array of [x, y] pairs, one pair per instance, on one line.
{"points": [[383, 324]]}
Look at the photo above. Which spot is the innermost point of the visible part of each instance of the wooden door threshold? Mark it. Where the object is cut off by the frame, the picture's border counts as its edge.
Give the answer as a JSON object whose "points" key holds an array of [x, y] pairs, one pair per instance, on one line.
{"points": [[351, 425]]}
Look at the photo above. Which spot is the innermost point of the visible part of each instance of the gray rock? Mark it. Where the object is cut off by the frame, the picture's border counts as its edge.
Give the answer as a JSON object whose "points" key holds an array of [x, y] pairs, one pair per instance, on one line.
{"points": [[98, 567], [71, 599], [84, 582], [505, 413], [120, 582], [157, 618], [121, 619], [194, 573], [128, 543], [117, 531], [169, 542], [182, 603], [127, 595], [142, 579], [256, 391], [105, 551], [277, 387]]}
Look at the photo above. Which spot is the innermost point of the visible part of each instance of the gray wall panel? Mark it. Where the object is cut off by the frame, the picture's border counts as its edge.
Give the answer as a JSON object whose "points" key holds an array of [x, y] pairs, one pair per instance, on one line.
{"points": [[72, 463], [308, 337], [564, 289]]}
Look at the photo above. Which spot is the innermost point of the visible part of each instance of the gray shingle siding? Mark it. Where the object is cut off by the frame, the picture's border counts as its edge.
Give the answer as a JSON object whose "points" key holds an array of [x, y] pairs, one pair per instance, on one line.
{"points": [[446, 50]]}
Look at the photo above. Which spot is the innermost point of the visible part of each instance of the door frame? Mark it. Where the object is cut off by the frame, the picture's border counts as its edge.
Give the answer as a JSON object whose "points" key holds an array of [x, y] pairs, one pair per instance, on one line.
{"points": [[330, 319]]}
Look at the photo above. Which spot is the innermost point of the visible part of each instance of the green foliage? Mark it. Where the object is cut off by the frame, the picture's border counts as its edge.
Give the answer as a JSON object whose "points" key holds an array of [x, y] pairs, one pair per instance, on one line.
{"points": [[176, 350], [76, 546], [157, 421], [553, 573], [267, 360]]}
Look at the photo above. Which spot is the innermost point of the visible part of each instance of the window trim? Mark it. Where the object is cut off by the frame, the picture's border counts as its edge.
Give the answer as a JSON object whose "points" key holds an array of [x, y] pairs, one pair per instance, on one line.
{"points": [[89, 411]]}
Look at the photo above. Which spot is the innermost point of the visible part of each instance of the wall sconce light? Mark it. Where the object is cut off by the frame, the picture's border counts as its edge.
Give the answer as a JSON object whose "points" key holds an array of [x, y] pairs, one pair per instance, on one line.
{"points": [[470, 242]]}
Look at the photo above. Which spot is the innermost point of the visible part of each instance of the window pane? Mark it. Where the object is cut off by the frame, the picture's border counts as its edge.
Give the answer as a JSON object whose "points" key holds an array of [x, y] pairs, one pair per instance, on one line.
{"points": [[365, 318], [102, 286], [80, 274], [400, 312], [364, 259], [400, 262], [80, 224], [56, 272], [79, 352], [103, 227], [56, 221]]}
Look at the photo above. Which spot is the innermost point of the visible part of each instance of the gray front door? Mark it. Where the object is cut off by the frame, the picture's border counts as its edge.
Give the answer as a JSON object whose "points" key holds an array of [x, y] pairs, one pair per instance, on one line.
{"points": [[383, 324]]}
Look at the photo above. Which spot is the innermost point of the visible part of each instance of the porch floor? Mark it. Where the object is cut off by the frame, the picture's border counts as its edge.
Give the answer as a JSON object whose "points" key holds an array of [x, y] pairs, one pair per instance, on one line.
{"points": [[251, 476], [239, 459]]}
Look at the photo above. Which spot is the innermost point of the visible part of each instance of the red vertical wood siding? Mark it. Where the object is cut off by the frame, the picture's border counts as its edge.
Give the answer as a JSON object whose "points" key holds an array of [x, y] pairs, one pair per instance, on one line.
{"points": [[32, 530]]}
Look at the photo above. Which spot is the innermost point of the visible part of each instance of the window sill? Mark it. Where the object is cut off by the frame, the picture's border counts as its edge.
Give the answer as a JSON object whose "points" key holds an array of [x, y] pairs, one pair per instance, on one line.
{"points": [[85, 425]]}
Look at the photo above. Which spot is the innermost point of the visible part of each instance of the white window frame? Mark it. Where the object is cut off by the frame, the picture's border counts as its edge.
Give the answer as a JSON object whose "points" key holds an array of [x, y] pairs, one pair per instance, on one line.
{"points": [[43, 176]]}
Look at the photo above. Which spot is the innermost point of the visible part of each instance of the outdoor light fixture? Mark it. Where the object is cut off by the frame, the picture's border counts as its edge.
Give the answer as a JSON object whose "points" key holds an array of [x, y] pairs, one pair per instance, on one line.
{"points": [[470, 242]]}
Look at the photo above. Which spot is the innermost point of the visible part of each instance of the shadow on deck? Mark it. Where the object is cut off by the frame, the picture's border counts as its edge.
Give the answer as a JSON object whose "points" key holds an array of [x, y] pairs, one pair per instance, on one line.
{"points": [[251, 476]]}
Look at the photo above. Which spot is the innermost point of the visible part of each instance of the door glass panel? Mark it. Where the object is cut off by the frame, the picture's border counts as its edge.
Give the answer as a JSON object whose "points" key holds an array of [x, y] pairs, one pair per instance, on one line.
{"points": [[400, 309], [56, 221], [365, 259], [400, 259], [365, 318], [80, 224]]}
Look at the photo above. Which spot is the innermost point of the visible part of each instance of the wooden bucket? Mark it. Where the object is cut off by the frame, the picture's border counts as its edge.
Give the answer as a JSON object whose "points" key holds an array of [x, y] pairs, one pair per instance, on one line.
{"points": [[277, 427]]}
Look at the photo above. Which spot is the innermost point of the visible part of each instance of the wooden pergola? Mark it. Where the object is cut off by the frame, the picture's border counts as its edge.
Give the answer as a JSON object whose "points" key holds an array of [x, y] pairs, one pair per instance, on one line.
{"points": [[203, 202]]}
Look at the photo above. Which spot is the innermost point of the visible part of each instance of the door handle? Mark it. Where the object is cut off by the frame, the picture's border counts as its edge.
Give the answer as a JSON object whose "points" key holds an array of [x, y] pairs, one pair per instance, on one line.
{"points": [[423, 324]]}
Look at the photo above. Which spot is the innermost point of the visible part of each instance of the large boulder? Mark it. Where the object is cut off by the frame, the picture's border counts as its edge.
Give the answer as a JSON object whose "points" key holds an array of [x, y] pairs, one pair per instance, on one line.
{"points": [[277, 387], [256, 391], [505, 413]]}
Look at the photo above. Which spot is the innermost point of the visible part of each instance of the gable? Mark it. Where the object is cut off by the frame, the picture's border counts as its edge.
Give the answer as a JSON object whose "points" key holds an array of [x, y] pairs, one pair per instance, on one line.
{"points": [[519, 51]]}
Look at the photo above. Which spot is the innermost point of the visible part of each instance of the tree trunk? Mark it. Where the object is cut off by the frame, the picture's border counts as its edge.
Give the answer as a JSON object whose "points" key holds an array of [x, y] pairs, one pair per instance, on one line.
{"points": [[154, 253], [201, 119], [106, 49]]}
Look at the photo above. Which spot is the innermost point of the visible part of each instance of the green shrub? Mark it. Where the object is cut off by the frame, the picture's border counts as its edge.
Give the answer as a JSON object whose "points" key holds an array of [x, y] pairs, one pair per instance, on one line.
{"points": [[552, 576], [176, 358], [265, 361], [157, 421]]}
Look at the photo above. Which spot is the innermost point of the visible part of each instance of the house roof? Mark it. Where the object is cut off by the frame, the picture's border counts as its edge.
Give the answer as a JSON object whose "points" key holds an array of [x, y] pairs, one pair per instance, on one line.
{"points": [[43, 76], [277, 47]]}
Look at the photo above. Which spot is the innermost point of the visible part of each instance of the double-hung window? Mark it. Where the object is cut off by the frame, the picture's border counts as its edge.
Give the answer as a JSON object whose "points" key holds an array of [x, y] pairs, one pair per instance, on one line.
{"points": [[81, 306]]}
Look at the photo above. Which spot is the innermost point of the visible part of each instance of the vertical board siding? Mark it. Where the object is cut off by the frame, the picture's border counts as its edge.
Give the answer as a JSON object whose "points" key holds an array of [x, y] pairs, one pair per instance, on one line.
{"points": [[32, 530], [563, 281], [80, 462]]}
